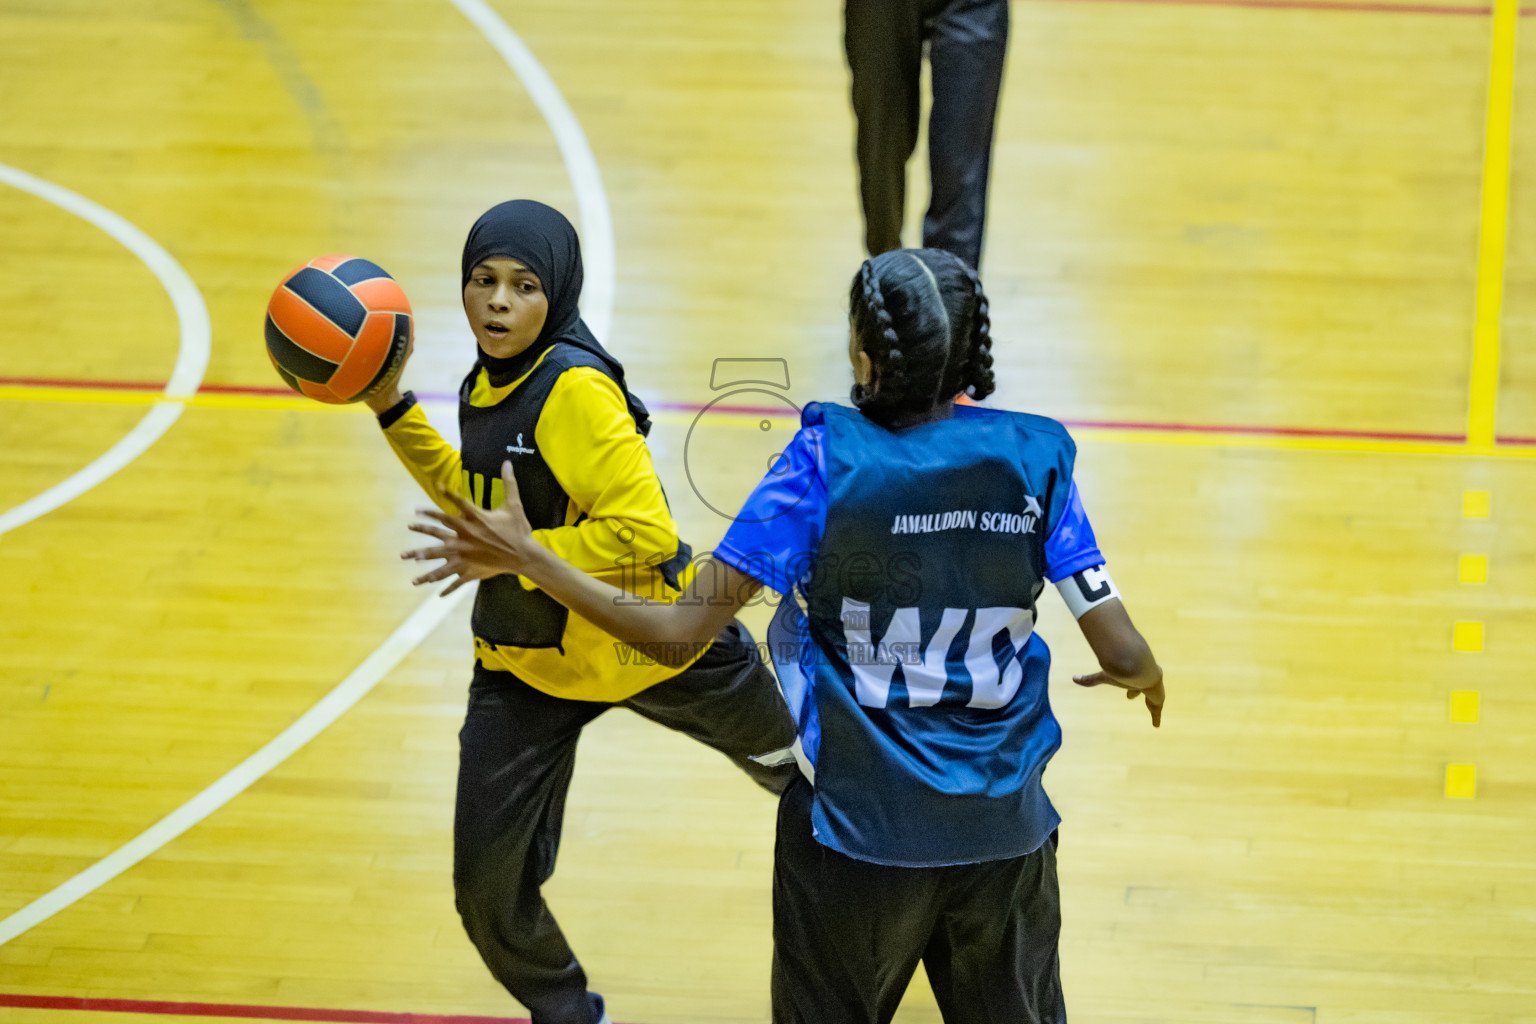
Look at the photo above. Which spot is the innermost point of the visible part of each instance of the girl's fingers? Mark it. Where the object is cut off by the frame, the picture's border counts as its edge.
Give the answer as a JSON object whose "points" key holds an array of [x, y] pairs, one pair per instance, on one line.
{"points": [[442, 572], [1101, 679], [455, 585], [514, 503], [1133, 694], [431, 531], [426, 554], [467, 510], [509, 481]]}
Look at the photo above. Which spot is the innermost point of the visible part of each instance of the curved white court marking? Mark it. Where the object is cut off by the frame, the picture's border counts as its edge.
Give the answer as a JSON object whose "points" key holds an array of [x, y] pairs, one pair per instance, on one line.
{"points": [[191, 356], [331, 707], [598, 252]]}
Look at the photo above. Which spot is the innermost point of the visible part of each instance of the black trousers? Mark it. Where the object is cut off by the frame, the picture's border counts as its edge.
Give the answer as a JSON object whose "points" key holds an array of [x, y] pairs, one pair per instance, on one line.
{"points": [[516, 754], [967, 41], [848, 934]]}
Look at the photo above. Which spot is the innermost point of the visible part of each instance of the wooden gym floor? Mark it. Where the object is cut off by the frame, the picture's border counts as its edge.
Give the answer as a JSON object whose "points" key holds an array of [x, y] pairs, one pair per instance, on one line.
{"points": [[1247, 247]]}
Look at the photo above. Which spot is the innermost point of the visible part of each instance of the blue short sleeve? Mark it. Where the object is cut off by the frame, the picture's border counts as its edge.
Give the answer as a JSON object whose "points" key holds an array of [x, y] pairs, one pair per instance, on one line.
{"points": [[776, 534], [1071, 547]]}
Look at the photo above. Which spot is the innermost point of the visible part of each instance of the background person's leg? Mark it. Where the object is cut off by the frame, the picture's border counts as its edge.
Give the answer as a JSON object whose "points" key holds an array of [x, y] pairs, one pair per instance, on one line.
{"points": [[884, 43], [967, 47], [516, 753]]}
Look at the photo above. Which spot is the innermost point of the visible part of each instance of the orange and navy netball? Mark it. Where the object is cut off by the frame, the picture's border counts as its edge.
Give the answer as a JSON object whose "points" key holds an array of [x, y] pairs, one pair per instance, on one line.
{"points": [[338, 328]]}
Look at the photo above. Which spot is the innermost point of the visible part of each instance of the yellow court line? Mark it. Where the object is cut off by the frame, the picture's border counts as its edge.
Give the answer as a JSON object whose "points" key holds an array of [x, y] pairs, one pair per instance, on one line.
{"points": [[1218, 439], [1213, 438], [1493, 227], [82, 395], [205, 400]]}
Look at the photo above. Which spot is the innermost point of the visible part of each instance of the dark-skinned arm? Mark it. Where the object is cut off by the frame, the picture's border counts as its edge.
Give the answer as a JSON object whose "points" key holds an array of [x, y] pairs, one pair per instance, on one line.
{"points": [[476, 544], [1125, 660]]}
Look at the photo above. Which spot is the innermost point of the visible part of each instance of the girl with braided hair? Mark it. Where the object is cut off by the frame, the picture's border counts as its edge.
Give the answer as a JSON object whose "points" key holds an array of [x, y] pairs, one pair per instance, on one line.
{"points": [[910, 537]]}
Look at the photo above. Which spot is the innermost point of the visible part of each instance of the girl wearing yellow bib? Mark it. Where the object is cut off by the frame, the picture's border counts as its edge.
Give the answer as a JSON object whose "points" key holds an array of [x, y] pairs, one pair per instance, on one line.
{"points": [[546, 396]]}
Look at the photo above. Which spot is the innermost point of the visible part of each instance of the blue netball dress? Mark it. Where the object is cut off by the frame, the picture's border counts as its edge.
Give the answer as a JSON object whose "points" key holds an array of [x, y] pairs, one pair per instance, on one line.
{"points": [[911, 562]]}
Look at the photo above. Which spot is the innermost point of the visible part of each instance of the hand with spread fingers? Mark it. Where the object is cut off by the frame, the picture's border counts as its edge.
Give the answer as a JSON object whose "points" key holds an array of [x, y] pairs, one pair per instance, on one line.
{"points": [[1125, 660], [1154, 694], [476, 544]]}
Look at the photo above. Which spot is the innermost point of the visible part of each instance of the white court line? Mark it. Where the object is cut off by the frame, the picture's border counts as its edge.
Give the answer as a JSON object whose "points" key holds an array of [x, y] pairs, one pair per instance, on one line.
{"points": [[191, 355], [331, 707], [599, 252]]}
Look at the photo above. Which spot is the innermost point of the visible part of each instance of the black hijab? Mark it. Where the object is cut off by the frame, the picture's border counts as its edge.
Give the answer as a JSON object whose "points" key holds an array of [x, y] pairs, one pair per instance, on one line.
{"points": [[540, 238]]}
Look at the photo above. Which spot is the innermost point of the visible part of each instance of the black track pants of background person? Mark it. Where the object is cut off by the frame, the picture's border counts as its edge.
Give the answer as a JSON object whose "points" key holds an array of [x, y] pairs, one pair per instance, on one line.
{"points": [[848, 934], [967, 41], [516, 754]]}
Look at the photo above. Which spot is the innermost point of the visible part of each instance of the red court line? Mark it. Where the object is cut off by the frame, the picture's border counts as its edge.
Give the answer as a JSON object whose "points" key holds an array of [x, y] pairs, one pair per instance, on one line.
{"points": [[1215, 428], [1140, 426], [1246, 430], [1519, 442], [169, 1009], [730, 410]]}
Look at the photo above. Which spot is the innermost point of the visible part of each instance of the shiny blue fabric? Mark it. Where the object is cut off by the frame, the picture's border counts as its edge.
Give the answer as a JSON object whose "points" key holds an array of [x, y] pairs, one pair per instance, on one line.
{"points": [[919, 763], [784, 517], [1071, 547], [776, 534]]}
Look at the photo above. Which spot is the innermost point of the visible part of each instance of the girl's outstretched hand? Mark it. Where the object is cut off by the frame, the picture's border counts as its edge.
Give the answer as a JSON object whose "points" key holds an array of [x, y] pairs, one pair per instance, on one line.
{"points": [[1155, 694], [477, 544], [1124, 657]]}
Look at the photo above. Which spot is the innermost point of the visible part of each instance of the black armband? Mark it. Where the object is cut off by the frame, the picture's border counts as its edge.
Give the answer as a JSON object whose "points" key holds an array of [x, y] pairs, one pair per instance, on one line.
{"points": [[390, 416]]}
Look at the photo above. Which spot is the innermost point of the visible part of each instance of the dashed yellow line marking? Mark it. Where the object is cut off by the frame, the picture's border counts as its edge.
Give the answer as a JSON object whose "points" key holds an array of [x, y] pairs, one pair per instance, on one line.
{"points": [[1467, 636], [1461, 781]]}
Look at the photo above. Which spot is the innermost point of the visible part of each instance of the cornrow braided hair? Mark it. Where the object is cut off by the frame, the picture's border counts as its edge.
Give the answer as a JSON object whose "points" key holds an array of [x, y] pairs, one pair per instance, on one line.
{"points": [[942, 377], [922, 318], [977, 380], [890, 358]]}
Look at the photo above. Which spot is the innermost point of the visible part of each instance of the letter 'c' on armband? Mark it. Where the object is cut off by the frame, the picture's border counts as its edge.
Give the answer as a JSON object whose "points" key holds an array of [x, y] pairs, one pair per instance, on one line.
{"points": [[1087, 589]]}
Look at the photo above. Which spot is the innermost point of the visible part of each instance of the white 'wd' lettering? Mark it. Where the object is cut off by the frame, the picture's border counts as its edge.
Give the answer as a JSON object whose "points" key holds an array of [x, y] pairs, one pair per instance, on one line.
{"points": [[874, 665], [989, 688]]}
